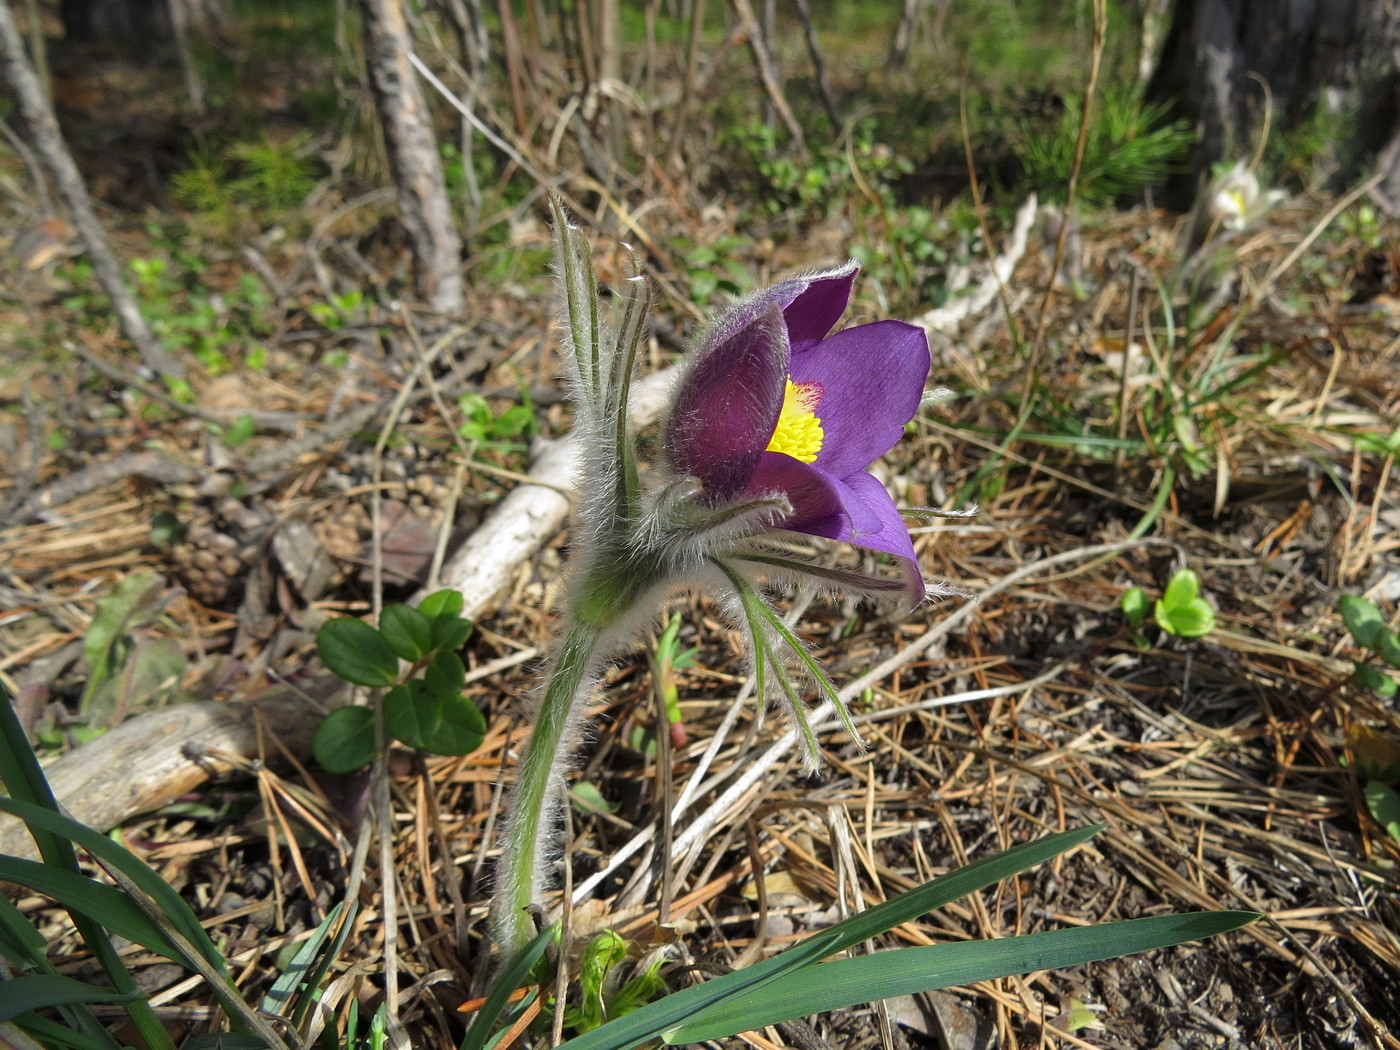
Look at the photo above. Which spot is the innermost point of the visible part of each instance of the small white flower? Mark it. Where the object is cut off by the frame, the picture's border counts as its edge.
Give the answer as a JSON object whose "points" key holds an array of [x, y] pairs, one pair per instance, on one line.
{"points": [[1236, 199]]}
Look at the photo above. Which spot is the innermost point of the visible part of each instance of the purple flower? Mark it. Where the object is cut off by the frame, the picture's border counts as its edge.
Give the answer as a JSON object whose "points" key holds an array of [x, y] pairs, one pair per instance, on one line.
{"points": [[772, 404]]}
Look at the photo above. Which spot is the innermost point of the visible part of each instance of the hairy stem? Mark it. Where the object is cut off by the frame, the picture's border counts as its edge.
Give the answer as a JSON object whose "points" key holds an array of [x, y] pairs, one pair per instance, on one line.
{"points": [[535, 800]]}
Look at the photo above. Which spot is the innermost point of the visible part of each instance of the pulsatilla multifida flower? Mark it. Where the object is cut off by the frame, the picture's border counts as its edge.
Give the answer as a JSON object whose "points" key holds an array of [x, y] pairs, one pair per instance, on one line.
{"points": [[772, 407], [771, 428]]}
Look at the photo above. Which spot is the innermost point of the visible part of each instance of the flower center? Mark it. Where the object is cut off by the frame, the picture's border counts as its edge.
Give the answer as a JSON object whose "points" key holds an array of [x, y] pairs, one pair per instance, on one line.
{"points": [[799, 430]]}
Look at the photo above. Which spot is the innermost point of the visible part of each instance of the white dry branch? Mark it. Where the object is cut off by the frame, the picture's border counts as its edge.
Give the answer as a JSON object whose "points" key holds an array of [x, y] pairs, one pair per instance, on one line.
{"points": [[945, 318]]}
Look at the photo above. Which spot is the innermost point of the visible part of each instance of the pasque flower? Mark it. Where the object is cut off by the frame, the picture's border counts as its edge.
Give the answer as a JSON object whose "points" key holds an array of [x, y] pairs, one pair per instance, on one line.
{"points": [[772, 427], [772, 405]]}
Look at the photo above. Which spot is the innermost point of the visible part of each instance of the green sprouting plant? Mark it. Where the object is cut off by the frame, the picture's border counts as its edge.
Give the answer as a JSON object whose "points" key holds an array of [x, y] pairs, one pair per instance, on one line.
{"points": [[338, 310], [127, 664], [273, 175], [717, 268], [1130, 145], [807, 191], [1181, 611], [257, 175], [603, 994], [668, 658], [424, 707], [216, 326], [485, 429], [1381, 645]]}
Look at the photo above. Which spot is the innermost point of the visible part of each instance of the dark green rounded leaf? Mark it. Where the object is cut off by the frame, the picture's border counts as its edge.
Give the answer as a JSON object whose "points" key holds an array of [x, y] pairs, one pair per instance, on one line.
{"points": [[1363, 620], [1369, 678], [355, 651], [407, 631], [450, 633], [443, 723], [344, 740], [1388, 646], [445, 674], [441, 603]]}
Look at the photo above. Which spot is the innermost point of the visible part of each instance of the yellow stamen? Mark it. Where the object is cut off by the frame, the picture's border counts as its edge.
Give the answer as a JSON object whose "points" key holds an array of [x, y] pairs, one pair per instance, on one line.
{"points": [[799, 431]]}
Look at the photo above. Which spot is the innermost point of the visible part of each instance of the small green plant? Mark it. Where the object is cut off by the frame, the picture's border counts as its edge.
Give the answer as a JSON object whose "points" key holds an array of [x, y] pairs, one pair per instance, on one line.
{"points": [[486, 430], [668, 658], [602, 993], [1368, 629], [339, 310], [1376, 763], [1130, 145], [127, 664], [717, 268], [1181, 611], [424, 707], [217, 326]]}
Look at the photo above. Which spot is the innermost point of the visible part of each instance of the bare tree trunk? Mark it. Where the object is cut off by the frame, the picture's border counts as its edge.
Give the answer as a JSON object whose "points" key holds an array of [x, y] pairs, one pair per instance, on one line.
{"points": [[48, 142], [1341, 54], [413, 156], [904, 32]]}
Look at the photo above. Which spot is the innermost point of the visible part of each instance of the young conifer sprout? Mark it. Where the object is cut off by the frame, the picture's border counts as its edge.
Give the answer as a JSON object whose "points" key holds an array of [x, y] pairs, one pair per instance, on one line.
{"points": [[771, 428]]}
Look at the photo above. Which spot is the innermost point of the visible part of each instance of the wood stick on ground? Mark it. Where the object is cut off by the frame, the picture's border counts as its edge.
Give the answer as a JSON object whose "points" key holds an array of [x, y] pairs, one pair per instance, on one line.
{"points": [[148, 762], [38, 114]]}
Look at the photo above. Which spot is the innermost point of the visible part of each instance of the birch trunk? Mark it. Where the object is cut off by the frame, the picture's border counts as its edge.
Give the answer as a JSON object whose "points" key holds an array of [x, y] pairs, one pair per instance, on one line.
{"points": [[413, 156]]}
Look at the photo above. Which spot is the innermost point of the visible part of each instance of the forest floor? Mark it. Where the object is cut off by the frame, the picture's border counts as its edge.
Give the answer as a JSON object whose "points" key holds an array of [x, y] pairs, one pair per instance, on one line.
{"points": [[1228, 771]]}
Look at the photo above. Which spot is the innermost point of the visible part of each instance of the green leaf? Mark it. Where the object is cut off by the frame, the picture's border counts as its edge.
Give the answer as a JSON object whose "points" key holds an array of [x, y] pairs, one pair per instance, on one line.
{"points": [[1388, 647], [1180, 611], [906, 971], [600, 955], [1135, 605], [1182, 588], [445, 674], [1195, 620], [450, 633], [110, 907], [353, 650], [443, 723], [588, 799], [1364, 621], [511, 978], [344, 741], [240, 431], [133, 603], [1384, 804], [441, 603], [22, 994], [1368, 677], [406, 631]]}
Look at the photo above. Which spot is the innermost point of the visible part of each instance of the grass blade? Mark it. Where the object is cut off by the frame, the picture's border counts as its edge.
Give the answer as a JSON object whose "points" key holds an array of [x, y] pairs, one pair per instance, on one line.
{"points": [[112, 908], [170, 903], [830, 986], [22, 994]]}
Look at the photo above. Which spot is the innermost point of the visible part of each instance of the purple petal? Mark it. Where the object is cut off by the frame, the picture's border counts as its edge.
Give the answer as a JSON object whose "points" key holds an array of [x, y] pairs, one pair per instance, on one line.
{"points": [[872, 378], [892, 537], [817, 306], [727, 404], [856, 510]]}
